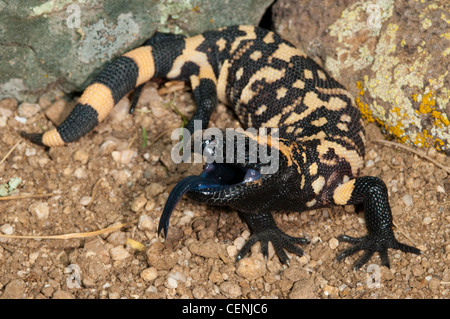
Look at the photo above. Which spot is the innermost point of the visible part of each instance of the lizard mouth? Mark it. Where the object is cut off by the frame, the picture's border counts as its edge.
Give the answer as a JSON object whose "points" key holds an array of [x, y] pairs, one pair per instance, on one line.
{"points": [[216, 177]]}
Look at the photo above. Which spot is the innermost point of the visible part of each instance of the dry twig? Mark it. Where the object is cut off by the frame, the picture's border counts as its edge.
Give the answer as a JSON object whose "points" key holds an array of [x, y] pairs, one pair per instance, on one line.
{"points": [[445, 168], [73, 235], [27, 196], [9, 152]]}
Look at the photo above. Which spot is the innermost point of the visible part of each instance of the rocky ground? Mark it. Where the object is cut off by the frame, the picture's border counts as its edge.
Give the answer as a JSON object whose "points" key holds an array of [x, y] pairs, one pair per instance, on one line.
{"points": [[109, 177]]}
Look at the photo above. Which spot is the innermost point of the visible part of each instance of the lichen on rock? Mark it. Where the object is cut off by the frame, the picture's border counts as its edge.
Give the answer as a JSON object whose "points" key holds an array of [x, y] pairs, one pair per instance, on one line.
{"points": [[394, 55]]}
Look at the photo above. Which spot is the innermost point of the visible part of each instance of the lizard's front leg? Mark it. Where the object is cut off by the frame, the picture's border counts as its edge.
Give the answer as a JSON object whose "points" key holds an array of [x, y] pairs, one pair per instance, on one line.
{"points": [[265, 230], [372, 193]]}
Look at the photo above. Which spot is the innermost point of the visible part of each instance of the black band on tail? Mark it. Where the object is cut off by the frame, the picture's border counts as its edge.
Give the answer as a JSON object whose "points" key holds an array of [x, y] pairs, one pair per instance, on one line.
{"points": [[119, 76], [35, 138], [80, 121]]}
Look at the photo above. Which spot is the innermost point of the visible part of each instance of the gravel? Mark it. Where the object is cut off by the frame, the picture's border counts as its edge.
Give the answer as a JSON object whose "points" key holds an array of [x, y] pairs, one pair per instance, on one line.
{"points": [[197, 260]]}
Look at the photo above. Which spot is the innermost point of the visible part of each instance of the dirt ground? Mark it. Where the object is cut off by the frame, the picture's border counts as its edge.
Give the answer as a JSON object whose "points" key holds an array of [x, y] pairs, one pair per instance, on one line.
{"points": [[109, 177]]}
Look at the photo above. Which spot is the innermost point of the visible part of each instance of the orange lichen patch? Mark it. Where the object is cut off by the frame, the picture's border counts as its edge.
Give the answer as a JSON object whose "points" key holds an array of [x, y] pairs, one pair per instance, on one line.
{"points": [[398, 132], [363, 107], [423, 139], [396, 110], [428, 103], [444, 119], [427, 106], [365, 110], [396, 129], [438, 143], [360, 87]]}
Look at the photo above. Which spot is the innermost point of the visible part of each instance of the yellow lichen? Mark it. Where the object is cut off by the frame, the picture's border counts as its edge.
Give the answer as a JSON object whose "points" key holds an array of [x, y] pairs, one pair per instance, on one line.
{"points": [[360, 87], [403, 116], [365, 110], [426, 23], [444, 119]]}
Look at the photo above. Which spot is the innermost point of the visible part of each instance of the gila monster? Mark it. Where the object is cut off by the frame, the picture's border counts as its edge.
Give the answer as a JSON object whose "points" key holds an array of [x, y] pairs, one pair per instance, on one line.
{"points": [[269, 84]]}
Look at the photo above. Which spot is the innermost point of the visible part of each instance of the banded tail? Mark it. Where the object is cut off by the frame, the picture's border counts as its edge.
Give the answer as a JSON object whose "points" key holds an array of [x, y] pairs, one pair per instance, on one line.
{"points": [[117, 79], [164, 55]]}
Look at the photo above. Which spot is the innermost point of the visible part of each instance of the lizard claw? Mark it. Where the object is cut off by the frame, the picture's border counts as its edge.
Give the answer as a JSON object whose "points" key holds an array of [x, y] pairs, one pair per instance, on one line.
{"points": [[371, 244], [280, 241]]}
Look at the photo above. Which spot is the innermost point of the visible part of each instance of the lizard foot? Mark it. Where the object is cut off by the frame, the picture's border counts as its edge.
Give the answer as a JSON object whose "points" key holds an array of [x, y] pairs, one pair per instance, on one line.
{"points": [[371, 244], [280, 241]]}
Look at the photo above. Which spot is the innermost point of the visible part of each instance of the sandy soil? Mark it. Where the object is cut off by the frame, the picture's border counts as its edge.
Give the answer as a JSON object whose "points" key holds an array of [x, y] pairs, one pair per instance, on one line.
{"points": [[108, 178]]}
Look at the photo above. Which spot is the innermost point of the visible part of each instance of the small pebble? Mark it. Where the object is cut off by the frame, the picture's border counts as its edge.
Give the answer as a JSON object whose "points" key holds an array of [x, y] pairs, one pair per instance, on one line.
{"points": [[160, 112], [119, 253], [303, 289], [28, 110], [121, 177], [123, 157], [120, 112], [434, 284], [154, 189], [117, 238], [407, 200], [427, 220], [62, 294], [151, 204], [186, 218], [333, 243], [30, 151], [330, 291], [81, 156], [252, 267], [85, 200], [232, 251], [171, 283], [417, 270], [239, 242], [80, 173], [20, 119], [231, 289], [149, 274], [295, 273], [178, 276], [208, 248], [215, 277], [342, 287], [199, 293], [107, 147], [39, 209], [5, 112], [138, 203], [57, 111], [146, 223], [7, 229]]}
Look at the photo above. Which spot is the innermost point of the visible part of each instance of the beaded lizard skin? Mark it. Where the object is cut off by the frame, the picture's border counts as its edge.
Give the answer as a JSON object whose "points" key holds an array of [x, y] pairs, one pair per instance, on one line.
{"points": [[269, 84]]}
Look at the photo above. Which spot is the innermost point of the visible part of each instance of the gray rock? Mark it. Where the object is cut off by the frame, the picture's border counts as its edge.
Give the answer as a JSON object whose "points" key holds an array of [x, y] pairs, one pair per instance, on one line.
{"points": [[391, 55], [48, 45]]}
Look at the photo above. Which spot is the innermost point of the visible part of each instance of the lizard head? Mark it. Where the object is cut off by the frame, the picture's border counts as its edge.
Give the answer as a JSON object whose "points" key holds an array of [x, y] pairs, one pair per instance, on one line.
{"points": [[249, 179]]}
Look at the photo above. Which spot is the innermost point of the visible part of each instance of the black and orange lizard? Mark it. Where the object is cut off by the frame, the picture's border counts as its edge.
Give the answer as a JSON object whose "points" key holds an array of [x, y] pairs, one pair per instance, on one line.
{"points": [[269, 84]]}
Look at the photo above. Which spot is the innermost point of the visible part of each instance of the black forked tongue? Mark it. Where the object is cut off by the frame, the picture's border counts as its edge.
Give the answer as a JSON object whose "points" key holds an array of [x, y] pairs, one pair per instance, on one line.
{"points": [[187, 184]]}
